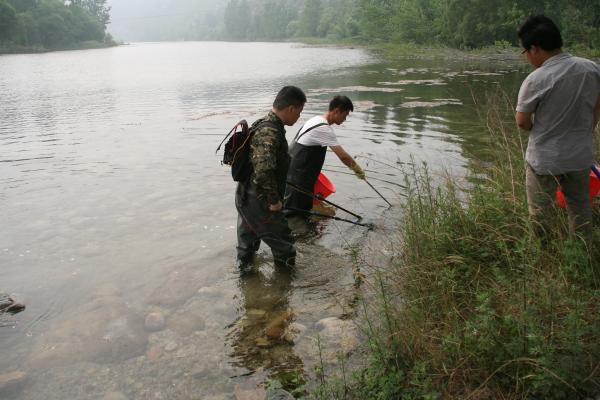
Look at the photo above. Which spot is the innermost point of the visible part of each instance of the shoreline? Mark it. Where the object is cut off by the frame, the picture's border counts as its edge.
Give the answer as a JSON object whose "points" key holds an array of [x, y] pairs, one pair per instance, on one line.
{"points": [[39, 50]]}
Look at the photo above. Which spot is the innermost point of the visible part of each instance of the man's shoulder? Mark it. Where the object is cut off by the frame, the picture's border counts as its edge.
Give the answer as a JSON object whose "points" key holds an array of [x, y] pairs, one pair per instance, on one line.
{"points": [[268, 125], [586, 63]]}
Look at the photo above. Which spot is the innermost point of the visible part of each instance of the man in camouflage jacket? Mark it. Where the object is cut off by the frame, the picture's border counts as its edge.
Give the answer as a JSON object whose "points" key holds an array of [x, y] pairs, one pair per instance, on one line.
{"points": [[259, 200]]}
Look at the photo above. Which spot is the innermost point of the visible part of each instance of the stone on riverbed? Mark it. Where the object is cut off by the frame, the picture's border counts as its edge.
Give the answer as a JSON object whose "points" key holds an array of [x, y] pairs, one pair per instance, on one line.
{"points": [[154, 322], [114, 396], [187, 322], [177, 289], [103, 330], [250, 390], [12, 381], [338, 336], [9, 305]]}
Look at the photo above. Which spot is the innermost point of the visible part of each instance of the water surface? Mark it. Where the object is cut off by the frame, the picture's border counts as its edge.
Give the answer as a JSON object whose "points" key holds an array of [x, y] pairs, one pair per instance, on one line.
{"points": [[115, 206]]}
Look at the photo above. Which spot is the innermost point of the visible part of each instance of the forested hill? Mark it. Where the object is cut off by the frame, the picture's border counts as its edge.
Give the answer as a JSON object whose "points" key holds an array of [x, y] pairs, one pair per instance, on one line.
{"points": [[52, 24], [457, 23]]}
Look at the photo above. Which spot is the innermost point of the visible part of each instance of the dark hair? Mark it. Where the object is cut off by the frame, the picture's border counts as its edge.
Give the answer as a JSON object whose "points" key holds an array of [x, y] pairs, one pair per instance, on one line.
{"points": [[541, 31], [289, 96], [341, 102]]}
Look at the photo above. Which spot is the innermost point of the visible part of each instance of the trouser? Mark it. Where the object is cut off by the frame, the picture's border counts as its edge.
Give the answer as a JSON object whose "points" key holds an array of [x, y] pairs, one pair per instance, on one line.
{"points": [[541, 192], [257, 223]]}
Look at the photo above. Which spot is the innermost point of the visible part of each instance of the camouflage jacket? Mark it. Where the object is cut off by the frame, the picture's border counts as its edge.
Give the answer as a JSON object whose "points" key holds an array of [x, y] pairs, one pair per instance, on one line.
{"points": [[270, 158]]}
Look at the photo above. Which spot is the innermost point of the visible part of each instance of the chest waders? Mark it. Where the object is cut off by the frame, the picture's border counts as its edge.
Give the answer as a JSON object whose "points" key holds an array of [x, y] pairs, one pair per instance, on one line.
{"points": [[256, 222], [305, 167]]}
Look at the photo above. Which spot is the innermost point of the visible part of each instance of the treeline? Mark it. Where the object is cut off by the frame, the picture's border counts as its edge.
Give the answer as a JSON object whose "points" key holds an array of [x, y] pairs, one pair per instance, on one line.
{"points": [[457, 23], [52, 24]]}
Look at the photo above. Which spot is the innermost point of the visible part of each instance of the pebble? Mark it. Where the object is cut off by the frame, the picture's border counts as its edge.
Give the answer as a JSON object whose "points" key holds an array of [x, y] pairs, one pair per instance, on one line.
{"points": [[114, 396], [170, 346], [153, 353], [11, 381], [154, 322]]}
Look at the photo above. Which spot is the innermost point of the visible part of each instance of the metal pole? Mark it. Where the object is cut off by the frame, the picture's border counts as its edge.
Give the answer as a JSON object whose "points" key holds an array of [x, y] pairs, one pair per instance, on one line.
{"points": [[377, 191], [321, 198], [366, 225]]}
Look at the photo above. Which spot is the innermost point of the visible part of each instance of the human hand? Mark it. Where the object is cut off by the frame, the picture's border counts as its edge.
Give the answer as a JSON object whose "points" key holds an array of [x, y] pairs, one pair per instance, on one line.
{"points": [[275, 207], [358, 171]]}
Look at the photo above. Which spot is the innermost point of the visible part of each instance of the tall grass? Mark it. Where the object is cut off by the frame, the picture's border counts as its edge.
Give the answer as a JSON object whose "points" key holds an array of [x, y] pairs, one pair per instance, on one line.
{"points": [[479, 307]]}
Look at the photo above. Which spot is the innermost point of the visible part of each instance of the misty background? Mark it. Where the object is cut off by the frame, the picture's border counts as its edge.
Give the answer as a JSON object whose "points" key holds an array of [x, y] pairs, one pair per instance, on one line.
{"points": [[164, 20]]}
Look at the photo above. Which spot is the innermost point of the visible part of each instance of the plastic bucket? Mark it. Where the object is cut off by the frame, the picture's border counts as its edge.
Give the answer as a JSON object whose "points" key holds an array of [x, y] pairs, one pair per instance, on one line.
{"points": [[594, 189], [323, 187]]}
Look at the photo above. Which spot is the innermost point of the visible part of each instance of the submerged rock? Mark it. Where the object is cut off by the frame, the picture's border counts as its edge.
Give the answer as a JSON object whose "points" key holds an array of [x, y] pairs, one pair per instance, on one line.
{"points": [[177, 289], [250, 391], [114, 396], [276, 327], [154, 322], [338, 336], [9, 305], [104, 330], [186, 323], [12, 381]]}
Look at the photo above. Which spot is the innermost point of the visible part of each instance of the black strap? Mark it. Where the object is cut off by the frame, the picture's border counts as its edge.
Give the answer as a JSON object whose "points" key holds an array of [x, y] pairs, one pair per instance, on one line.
{"points": [[296, 138]]}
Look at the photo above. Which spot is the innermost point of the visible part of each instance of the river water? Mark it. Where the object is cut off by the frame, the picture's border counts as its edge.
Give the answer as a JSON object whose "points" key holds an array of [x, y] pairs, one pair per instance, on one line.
{"points": [[116, 210]]}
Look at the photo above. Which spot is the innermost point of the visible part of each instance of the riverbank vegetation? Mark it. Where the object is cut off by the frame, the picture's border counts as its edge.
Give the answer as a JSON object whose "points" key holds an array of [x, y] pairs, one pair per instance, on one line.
{"points": [[42, 25], [454, 23], [477, 306]]}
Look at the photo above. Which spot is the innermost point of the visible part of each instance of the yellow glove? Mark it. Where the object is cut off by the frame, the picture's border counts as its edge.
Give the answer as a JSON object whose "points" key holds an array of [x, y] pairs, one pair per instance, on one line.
{"points": [[358, 170]]}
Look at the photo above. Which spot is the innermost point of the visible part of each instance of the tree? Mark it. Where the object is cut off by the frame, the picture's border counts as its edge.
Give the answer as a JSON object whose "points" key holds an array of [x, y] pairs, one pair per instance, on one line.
{"points": [[237, 20], [97, 8], [8, 21], [309, 19]]}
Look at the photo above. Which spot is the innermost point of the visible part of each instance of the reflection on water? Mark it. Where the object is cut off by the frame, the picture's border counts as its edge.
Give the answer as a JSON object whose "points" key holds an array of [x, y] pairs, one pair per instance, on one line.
{"points": [[115, 207], [262, 337]]}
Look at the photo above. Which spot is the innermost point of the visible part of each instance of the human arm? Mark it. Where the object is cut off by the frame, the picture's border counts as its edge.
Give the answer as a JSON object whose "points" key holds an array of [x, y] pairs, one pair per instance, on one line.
{"points": [[348, 161], [264, 161], [527, 103], [524, 120], [596, 112]]}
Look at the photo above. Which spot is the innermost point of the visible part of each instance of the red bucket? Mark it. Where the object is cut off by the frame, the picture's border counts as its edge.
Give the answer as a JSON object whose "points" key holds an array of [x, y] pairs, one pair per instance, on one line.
{"points": [[594, 189], [323, 187]]}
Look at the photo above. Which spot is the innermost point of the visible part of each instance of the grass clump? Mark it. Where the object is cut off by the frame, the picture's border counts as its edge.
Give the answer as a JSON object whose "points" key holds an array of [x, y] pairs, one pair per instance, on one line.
{"points": [[479, 307]]}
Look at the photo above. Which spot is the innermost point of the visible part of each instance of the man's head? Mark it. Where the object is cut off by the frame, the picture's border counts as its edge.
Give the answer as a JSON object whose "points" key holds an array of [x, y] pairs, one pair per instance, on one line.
{"points": [[288, 104], [339, 108], [540, 38]]}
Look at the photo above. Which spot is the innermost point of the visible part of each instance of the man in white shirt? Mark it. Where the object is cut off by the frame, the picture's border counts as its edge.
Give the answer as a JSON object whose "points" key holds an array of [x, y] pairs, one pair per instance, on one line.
{"points": [[563, 93], [308, 151]]}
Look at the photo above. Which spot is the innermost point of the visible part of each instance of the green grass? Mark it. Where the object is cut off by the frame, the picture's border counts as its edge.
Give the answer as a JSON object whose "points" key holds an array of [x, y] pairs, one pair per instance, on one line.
{"points": [[479, 307]]}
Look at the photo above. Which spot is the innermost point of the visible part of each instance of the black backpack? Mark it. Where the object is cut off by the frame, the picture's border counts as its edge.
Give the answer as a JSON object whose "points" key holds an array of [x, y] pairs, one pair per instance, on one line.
{"points": [[237, 149]]}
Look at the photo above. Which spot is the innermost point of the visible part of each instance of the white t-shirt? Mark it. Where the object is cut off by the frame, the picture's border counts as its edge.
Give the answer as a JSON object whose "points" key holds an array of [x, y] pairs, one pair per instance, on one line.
{"points": [[319, 136]]}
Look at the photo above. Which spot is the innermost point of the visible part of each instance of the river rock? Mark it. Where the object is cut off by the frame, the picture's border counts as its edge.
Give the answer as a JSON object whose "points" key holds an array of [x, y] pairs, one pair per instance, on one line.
{"points": [[9, 305], [102, 330], [249, 391], [338, 335], [179, 287], [114, 396], [278, 323], [171, 346], [186, 323], [154, 322], [279, 394], [293, 332], [153, 353], [12, 381]]}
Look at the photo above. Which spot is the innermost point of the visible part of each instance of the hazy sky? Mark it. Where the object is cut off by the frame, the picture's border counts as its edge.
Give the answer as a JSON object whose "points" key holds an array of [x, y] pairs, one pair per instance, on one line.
{"points": [[155, 20]]}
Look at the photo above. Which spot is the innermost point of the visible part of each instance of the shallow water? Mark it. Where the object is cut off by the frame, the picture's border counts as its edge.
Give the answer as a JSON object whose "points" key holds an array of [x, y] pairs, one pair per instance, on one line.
{"points": [[115, 206]]}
